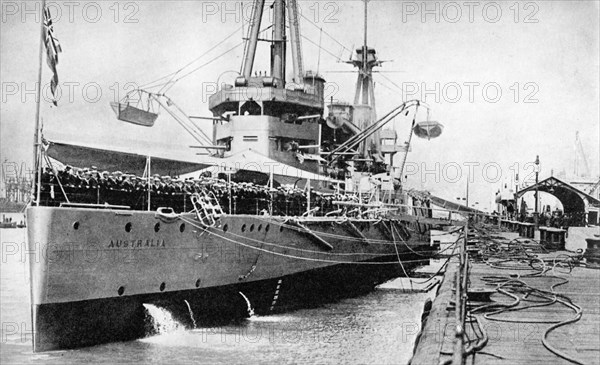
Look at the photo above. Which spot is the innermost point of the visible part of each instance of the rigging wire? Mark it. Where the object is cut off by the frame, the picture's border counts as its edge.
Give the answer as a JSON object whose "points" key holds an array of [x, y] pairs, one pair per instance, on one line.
{"points": [[398, 256], [172, 78], [390, 88], [166, 88], [322, 48], [319, 58], [393, 83], [210, 232], [333, 235], [327, 34], [301, 249], [172, 82], [409, 141], [173, 74]]}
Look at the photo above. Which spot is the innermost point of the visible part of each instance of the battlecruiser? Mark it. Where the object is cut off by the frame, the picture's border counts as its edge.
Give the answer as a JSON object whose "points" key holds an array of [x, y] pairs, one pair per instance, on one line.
{"points": [[289, 207]]}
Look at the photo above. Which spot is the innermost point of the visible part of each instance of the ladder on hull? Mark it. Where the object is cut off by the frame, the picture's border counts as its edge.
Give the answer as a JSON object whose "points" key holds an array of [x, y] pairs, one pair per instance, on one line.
{"points": [[207, 208]]}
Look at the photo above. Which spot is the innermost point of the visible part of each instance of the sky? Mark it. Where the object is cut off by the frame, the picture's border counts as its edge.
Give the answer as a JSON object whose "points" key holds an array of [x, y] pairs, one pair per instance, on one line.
{"points": [[508, 80]]}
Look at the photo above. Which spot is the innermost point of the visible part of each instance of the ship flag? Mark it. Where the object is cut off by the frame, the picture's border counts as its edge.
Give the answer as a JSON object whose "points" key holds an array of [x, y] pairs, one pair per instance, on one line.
{"points": [[52, 50]]}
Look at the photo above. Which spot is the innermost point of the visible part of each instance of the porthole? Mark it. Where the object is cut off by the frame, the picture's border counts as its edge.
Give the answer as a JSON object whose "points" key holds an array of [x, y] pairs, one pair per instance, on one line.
{"points": [[259, 227], [182, 227], [243, 228], [225, 228], [267, 228], [198, 283], [252, 228], [162, 286], [128, 227], [76, 225], [157, 227], [121, 290], [280, 228]]}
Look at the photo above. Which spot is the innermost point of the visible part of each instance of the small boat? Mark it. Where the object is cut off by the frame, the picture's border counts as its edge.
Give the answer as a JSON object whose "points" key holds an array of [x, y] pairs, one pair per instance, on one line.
{"points": [[131, 114], [428, 129]]}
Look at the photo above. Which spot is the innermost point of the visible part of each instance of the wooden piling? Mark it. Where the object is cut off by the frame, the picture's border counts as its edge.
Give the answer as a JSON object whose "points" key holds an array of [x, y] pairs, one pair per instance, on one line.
{"points": [[515, 336]]}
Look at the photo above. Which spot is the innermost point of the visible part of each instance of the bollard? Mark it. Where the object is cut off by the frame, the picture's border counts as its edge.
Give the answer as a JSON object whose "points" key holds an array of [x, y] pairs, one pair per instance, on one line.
{"points": [[543, 234], [514, 226], [527, 230], [555, 238], [592, 253], [522, 229], [480, 294], [530, 230]]}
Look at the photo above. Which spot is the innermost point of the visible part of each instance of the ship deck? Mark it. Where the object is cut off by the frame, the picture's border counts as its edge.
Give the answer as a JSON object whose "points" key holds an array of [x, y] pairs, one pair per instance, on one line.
{"points": [[514, 336]]}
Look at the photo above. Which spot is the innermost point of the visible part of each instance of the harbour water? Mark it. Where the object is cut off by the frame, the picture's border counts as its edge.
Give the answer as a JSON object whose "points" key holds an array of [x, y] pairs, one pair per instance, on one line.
{"points": [[377, 328]]}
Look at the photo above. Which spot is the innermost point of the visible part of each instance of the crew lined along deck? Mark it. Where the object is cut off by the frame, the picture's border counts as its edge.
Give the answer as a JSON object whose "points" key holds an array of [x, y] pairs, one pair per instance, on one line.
{"points": [[90, 186], [506, 299]]}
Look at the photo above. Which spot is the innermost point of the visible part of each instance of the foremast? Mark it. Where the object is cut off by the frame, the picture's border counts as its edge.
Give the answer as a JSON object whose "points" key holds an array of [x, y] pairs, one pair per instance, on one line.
{"points": [[364, 97]]}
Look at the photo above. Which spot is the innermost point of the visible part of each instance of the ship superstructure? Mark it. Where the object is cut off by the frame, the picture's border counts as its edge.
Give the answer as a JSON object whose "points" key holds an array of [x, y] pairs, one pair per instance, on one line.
{"points": [[268, 113]]}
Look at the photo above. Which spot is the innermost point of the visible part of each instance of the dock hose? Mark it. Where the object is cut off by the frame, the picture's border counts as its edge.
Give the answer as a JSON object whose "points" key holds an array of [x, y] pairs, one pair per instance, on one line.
{"points": [[518, 255]]}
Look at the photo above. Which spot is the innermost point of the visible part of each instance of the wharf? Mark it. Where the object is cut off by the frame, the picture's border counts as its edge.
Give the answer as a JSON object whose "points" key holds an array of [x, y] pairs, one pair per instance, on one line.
{"points": [[515, 296]]}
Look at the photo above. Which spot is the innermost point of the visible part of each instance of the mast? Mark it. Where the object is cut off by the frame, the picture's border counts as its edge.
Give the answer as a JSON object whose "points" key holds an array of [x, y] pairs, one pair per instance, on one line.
{"points": [[364, 97], [36, 135], [278, 45], [257, 14], [365, 38], [295, 41]]}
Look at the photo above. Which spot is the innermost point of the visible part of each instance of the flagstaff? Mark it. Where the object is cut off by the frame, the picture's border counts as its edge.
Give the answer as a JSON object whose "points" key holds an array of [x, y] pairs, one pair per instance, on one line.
{"points": [[36, 135]]}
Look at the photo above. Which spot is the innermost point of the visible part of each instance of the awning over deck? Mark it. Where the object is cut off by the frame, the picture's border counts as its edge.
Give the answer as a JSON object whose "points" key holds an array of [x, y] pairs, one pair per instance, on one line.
{"points": [[133, 163], [111, 160]]}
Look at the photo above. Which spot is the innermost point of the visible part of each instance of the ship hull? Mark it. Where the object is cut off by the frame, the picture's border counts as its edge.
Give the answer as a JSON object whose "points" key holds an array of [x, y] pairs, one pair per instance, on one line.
{"points": [[89, 284], [85, 323]]}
